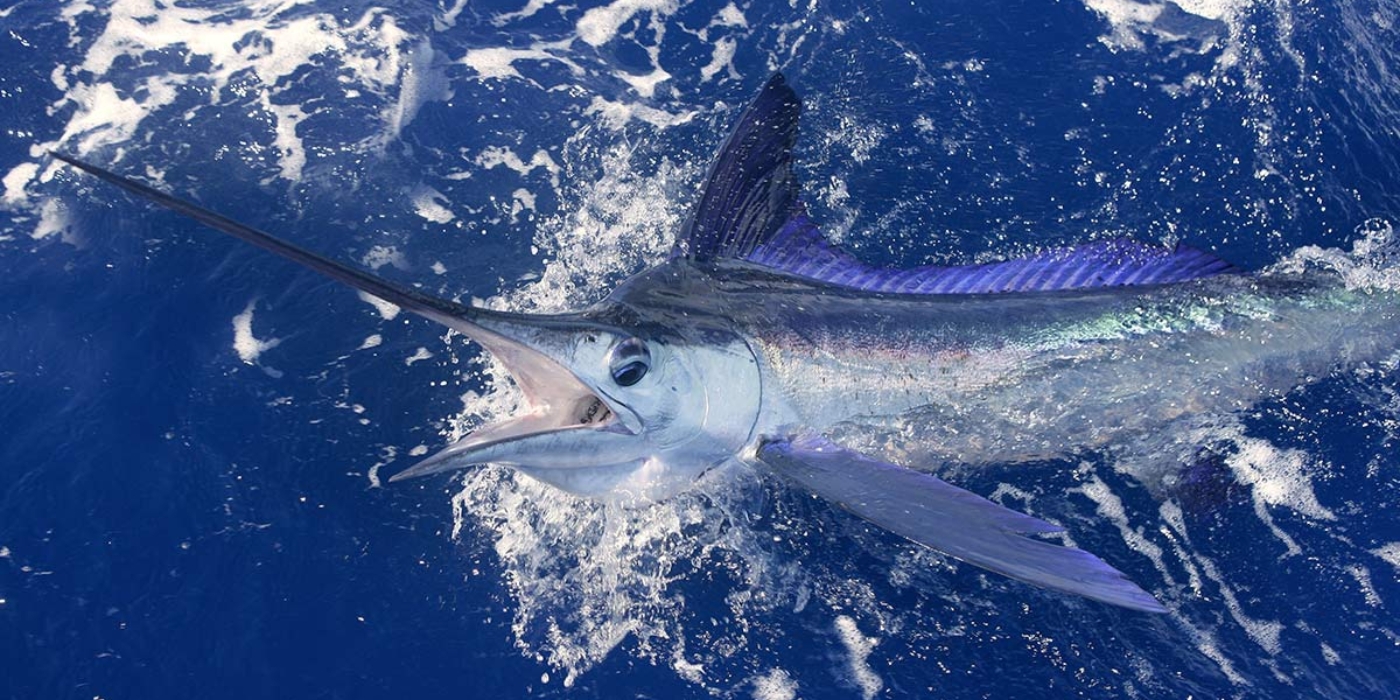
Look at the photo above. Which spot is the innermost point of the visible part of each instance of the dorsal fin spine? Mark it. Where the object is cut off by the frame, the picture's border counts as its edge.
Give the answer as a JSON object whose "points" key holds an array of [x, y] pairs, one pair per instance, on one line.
{"points": [[749, 192]]}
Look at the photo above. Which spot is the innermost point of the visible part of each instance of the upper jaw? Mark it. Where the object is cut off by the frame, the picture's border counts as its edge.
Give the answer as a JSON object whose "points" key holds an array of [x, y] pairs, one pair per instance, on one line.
{"points": [[568, 423]]}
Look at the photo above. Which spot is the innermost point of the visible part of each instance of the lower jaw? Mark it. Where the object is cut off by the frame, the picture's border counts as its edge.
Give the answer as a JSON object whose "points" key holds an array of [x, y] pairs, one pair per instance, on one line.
{"points": [[640, 481]]}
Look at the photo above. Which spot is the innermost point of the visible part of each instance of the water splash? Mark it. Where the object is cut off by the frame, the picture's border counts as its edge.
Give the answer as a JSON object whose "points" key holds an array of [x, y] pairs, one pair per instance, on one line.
{"points": [[587, 575], [589, 578], [151, 61], [1373, 263]]}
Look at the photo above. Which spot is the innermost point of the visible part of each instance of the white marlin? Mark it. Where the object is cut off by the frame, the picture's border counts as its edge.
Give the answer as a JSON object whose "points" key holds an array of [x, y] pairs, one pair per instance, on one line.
{"points": [[759, 341]]}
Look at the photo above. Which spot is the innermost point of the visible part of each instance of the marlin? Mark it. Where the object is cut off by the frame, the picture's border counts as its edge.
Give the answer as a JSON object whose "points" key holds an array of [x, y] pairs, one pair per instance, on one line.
{"points": [[759, 341]]}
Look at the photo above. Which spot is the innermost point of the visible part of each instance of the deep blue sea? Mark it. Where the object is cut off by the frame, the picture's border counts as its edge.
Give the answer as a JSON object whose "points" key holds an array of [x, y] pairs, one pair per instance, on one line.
{"points": [[195, 437]]}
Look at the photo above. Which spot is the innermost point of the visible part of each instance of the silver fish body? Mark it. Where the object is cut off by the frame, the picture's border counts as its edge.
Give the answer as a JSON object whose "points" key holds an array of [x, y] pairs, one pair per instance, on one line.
{"points": [[758, 340], [1006, 378]]}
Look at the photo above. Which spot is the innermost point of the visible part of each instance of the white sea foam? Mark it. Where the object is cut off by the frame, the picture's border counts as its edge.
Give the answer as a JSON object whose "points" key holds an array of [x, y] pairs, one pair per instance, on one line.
{"points": [[521, 200], [105, 117], [624, 221], [1176, 533], [381, 255], [431, 205], [387, 455], [858, 648], [1390, 553], [776, 684], [1110, 506], [1209, 646], [53, 219], [723, 49], [730, 16], [645, 84], [1367, 586], [255, 50], [530, 10], [420, 79], [1197, 22], [1373, 263], [608, 566], [15, 182], [447, 18], [1127, 18], [616, 115], [387, 311], [289, 147], [721, 60], [600, 25], [1265, 633], [1279, 477], [1213, 9], [498, 156], [689, 670], [249, 347], [1329, 654], [499, 61]]}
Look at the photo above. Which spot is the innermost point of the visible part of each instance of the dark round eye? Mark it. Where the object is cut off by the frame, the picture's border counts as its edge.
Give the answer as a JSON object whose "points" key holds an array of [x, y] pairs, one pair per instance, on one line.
{"points": [[630, 361], [630, 373]]}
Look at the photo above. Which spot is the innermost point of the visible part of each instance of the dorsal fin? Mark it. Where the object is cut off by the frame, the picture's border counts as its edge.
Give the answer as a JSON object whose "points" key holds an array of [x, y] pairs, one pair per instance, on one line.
{"points": [[750, 191], [748, 210], [798, 248]]}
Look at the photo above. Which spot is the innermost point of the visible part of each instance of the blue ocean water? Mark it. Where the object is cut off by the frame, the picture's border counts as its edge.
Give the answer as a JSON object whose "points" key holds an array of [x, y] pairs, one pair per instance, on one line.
{"points": [[194, 436]]}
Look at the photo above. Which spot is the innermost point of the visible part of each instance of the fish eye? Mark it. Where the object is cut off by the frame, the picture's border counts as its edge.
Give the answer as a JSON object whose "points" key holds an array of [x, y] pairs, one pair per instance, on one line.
{"points": [[630, 373], [630, 361]]}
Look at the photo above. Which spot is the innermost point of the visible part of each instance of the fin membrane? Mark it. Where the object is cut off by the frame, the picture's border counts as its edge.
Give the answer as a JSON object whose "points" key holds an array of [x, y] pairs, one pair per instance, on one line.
{"points": [[958, 523], [749, 210], [799, 249], [750, 190]]}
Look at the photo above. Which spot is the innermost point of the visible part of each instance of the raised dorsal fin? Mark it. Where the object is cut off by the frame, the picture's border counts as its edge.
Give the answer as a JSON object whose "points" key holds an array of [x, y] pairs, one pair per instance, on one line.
{"points": [[748, 210], [750, 191]]}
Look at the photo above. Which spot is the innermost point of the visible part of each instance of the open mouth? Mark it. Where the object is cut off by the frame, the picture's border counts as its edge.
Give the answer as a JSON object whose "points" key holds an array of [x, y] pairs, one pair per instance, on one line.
{"points": [[597, 412], [568, 405], [557, 403], [567, 423]]}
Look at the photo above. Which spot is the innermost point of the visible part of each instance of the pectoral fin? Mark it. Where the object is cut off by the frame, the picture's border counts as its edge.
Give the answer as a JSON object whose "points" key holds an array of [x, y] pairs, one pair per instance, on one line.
{"points": [[955, 522]]}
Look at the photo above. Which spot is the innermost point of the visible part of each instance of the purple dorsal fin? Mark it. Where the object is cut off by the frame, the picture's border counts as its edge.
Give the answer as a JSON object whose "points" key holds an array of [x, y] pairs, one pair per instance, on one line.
{"points": [[748, 210], [798, 248]]}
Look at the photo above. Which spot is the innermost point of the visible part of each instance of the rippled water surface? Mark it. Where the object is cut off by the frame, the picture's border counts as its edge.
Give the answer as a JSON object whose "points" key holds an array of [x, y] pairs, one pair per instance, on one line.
{"points": [[196, 436]]}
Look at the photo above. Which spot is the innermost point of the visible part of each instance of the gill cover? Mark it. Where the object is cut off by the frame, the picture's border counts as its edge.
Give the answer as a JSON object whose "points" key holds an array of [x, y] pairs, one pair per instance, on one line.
{"points": [[607, 409]]}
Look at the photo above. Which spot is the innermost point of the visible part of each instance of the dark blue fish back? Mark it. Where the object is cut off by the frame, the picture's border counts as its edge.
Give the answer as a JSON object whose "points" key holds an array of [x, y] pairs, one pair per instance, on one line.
{"points": [[749, 211]]}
